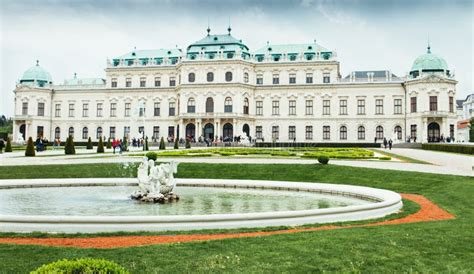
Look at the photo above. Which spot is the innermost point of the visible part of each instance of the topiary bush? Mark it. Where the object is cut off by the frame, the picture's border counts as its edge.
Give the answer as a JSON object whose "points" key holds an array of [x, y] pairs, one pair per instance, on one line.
{"points": [[188, 143], [109, 144], [176, 144], [100, 146], [89, 144], [162, 144], [8, 147], [125, 144], [84, 265], [145, 146], [30, 148], [69, 149], [151, 155], [323, 160]]}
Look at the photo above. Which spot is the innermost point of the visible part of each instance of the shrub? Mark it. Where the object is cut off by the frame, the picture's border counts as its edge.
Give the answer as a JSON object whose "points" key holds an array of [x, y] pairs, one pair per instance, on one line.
{"points": [[109, 144], [162, 144], [464, 149], [8, 148], [471, 130], [84, 265], [30, 148], [145, 146], [69, 149], [176, 144], [188, 144], [323, 160], [151, 155], [100, 146], [124, 144], [89, 144], [385, 158]]}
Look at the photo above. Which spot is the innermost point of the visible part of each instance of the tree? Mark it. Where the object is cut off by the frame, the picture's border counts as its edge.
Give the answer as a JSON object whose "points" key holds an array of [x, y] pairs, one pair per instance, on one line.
{"points": [[8, 148], [188, 143], [89, 144], [124, 144], [162, 144], [471, 130], [176, 144], [145, 145], [100, 146], [69, 149], [30, 148], [109, 144]]}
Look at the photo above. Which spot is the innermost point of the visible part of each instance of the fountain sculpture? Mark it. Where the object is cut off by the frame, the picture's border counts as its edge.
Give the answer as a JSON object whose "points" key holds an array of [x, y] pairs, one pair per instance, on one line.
{"points": [[156, 182]]}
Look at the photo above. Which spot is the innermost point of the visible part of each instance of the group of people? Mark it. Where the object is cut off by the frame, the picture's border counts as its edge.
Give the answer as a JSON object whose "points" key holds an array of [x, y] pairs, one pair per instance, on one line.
{"points": [[41, 143], [138, 142], [386, 143], [117, 144]]}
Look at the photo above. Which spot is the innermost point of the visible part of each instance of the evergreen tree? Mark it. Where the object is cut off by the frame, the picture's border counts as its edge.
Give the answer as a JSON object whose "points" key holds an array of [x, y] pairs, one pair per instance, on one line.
{"points": [[162, 144], [188, 143], [176, 144], [89, 144], [109, 144], [145, 145], [69, 149], [8, 148], [30, 148], [100, 146], [124, 144], [471, 130]]}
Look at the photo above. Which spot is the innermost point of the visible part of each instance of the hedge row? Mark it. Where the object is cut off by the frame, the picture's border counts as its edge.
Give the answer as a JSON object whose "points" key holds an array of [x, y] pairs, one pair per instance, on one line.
{"points": [[292, 144], [464, 149]]}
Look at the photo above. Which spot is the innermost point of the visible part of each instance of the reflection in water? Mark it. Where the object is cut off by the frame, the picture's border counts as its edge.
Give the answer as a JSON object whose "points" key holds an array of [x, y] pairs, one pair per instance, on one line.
{"points": [[115, 201]]}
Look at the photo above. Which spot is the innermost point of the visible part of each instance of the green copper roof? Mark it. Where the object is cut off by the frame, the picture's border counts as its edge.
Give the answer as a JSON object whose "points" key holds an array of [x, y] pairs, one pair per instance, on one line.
{"points": [[36, 73], [291, 48], [153, 53], [429, 62], [84, 81], [217, 42]]}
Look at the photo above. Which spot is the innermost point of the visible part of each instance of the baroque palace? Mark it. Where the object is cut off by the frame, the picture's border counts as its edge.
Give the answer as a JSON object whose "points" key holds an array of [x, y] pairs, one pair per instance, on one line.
{"points": [[217, 87]]}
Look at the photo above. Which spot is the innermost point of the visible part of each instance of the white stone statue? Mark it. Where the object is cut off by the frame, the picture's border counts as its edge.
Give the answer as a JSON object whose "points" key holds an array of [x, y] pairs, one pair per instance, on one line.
{"points": [[20, 139], [156, 183]]}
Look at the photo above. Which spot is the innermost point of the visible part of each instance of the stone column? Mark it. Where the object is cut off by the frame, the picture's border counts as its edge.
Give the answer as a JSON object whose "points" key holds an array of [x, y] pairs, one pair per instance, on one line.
{"points": [[424, 131], [182, 129]]}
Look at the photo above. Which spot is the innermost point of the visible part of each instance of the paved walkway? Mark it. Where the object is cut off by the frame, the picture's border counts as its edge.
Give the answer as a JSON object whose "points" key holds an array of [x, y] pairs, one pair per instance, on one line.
{"points": [[443, 163]]}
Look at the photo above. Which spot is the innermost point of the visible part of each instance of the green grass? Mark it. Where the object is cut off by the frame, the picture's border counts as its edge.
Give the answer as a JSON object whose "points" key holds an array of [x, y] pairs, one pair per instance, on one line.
{"points": [[441, 246]]}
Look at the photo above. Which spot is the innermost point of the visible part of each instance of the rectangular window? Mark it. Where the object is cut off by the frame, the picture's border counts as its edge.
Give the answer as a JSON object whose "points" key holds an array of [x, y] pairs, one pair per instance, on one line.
{"points": [[413, 104], [397, 106], [172, 81], [113, 109], [451, 104], [157, 81], [156, 132], [326, 107], [156, 111], [141, 109], [309, 78], [128, 106], [275, 107], [258, 132], [40, 109], [326, 132], [24, 108], [292, 133], [172, 109], [85, 110], [361, 107], [142, 82], [170, 131], [433, 103], [343, 107], [275, 133], [292, 107], [451, 131], [126, 131], [71, 110], [259, 79], [39, 131], [309, 107], [99, 109], [114, 82], [413, 131], [128, 82], [378, 106], [276, 79], [112, 132], [141, 130], [292, 78], [309, 133], [57, 110], [259, 108], [326, 78]]}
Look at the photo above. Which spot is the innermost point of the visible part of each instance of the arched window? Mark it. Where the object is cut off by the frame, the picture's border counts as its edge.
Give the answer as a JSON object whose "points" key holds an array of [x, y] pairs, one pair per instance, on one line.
{"points": [[85, 133], [71, 131], [361, 133], [191, 77], [379, 132], [99, 133], [246, 106], [228, 76], [57, 133], [191, 105], [209, 105], [210, 76], [246, 77], [398, 131], [228, 104], [343, 133]]}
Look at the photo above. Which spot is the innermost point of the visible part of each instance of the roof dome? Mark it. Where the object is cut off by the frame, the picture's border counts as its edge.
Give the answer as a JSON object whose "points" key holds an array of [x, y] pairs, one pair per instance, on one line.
{"points": [[429, 62], [36, 73]]}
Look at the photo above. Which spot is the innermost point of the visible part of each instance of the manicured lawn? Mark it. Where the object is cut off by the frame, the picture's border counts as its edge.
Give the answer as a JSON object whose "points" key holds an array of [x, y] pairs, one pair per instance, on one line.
{"points": [[443, 246]]}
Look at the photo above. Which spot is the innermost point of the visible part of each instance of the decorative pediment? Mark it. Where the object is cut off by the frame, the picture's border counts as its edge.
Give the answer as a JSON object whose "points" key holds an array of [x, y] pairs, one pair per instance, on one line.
{"points": [[127, 99], [326, 95], [191, 94], [292, 96], [246, 94], [156, 98], [113, 99], [260, 97], [433, 92], [210, 94], [275, 97], [228, 93], [413, 93], [309, 96], [142, 99]]}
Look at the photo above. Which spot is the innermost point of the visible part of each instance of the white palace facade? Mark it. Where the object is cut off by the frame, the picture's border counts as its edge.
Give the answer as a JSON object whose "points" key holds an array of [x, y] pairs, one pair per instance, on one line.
{"points": [[218, 87]]}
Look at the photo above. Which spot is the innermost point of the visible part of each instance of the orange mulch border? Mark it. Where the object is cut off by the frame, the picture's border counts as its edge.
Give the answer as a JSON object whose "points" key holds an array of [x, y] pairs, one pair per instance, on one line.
{"points": [[428, 212]]}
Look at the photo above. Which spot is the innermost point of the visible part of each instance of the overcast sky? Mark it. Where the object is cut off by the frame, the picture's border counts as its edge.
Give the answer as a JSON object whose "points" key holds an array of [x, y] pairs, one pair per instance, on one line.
{"points": [[78, 36]]}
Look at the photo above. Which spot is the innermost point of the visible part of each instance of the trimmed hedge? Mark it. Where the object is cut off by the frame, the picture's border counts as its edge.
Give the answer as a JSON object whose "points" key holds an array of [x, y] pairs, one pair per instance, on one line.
{"points": [[303, 145], [84, 265], [176, 144], [323, 160], [464, 149], [8, 148], [69, 149], [100, 146], [162, 144], [151, 155], [89, 144], [30, 148]]}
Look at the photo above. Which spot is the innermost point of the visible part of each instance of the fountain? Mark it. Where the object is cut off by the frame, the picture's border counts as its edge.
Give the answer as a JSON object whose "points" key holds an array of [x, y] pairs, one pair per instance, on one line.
{"points": [[156, 183]]}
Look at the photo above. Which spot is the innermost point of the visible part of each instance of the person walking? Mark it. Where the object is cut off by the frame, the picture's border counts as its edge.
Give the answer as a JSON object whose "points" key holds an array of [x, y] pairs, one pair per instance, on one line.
{"points": [[390, 143], [385, 143]]}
